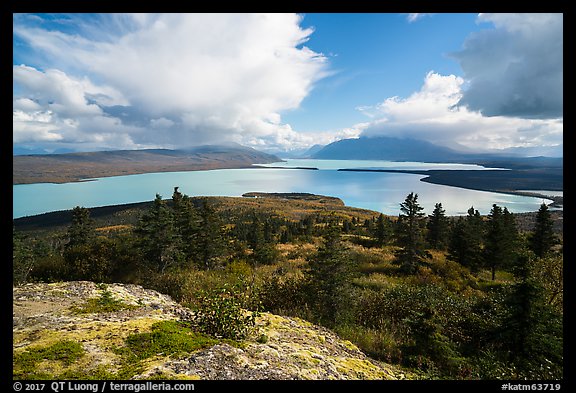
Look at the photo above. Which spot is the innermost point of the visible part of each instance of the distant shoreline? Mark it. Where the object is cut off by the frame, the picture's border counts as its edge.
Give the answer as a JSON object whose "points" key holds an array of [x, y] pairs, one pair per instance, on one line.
{"points": [[63, 179], [77, 167], [505, 182]]}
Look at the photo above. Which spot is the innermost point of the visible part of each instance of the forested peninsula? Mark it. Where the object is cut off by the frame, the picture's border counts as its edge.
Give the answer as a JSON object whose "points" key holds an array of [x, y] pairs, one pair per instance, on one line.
{"points": [[532, 181]]}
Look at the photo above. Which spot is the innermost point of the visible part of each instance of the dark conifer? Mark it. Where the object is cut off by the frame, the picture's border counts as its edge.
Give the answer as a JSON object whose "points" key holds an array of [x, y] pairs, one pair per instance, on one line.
{"points": [[501, 240], [81, 230], [211, 243], [532, 329], [410, 237], [329, 277], [542, 238], [157, 237], [438, 228], [383, 230], [466, 240], [186, 222]]}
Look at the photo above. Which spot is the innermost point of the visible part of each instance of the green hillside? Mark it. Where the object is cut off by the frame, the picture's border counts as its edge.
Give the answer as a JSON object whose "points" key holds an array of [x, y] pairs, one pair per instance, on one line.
{"points": [[473, 297]]}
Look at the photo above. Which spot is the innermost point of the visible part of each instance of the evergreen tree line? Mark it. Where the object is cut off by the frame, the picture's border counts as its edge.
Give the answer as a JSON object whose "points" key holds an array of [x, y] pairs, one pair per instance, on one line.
{"points": [[473, 241], [179, 234]]}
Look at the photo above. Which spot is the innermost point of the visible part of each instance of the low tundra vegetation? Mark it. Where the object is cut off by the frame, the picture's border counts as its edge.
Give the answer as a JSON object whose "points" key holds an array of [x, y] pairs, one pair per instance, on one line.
{"points": [[470, 297]]}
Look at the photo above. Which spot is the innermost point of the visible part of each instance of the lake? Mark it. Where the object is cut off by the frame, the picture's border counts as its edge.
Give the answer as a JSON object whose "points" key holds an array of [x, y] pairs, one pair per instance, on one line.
{"points": [[379, 191]]}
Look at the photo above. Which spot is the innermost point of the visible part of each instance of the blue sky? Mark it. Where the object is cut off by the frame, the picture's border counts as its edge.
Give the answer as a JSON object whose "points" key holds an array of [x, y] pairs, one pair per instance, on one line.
{"points": [[376, 56], [285, 82]]}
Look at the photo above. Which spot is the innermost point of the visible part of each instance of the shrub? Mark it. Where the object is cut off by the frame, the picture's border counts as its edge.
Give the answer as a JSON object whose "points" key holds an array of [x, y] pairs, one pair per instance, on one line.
{"points": [[102, 304], [427, 323], [174, 283], [376, 343], [50, 268], [220, 313], [92, 261], [286, 295]]}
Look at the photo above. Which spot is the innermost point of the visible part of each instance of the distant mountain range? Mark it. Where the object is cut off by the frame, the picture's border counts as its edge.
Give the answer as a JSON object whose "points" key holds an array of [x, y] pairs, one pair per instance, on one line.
{"points": [[525, 173], [61, 168], [397, 149], [386, 148]]}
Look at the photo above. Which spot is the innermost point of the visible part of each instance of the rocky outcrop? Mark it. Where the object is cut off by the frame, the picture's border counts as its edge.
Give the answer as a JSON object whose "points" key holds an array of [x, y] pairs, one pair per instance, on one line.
{"points": [[279, 348]]}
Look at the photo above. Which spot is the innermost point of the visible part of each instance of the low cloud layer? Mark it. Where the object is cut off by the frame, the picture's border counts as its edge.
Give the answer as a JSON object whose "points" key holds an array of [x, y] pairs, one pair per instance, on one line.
{"points": [[515, 68]]}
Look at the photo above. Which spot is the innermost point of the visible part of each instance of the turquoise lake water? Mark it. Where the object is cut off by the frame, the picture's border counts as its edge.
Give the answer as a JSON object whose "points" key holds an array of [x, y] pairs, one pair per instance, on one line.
{"points": [[377, 191]]}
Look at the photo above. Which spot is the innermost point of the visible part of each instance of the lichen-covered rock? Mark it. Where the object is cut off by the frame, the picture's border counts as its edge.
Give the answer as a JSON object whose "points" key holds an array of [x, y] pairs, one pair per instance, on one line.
{"points": [[295, 349], [280, 347]]}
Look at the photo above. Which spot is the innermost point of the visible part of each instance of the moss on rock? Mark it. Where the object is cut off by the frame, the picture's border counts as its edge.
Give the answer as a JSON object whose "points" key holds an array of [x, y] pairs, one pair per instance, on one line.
{"points": [[146, 341]]}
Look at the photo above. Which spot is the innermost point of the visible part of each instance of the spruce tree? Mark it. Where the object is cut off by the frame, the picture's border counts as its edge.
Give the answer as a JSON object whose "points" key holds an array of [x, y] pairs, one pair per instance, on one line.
{"points": [[382, 231], [211, 243], [261, 241], [410, 237], [186, 222], [501, 240], [542, 238], [329, 276], [438, 228], [532, 330], [81, 230], [157, 237], [466, 240]]}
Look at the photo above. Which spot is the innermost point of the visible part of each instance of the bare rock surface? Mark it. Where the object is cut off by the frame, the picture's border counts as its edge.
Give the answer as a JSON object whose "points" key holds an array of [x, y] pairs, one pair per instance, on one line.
{"points": [[279, 347]]}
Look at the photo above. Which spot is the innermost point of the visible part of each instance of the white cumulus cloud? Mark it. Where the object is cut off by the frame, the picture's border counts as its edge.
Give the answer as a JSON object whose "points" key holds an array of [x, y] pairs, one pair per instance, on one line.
{"points": [[179, 79], [52, 106], [432, 114]]}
